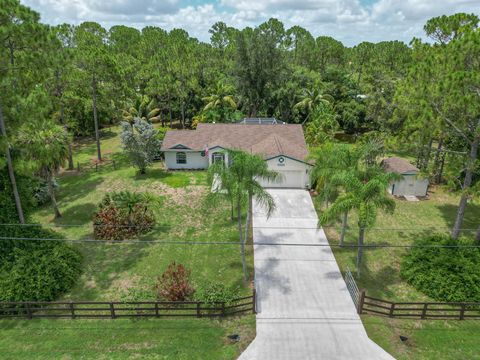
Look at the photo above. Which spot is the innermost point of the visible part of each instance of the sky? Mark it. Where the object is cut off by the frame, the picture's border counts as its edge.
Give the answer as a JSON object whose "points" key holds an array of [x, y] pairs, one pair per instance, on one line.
{"points": [[350, 21]]}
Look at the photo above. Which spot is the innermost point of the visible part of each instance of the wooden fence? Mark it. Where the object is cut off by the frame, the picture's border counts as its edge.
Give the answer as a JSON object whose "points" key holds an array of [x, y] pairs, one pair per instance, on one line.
{"points": [[411, 310], [118, 309], [418, 310], [96, 165]]}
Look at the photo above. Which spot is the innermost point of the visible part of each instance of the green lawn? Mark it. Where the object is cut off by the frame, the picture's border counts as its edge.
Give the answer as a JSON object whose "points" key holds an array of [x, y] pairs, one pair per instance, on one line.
{"points": [[120, 271], [380, 277], [124, 339]]}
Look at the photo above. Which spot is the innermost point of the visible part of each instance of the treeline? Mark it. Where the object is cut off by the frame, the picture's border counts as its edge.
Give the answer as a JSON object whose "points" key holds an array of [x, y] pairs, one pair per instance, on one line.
{"points": [[422, 98]]}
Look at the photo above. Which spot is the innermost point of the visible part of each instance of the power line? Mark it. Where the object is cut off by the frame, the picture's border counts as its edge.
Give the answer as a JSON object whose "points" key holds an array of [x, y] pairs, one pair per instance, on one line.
{"points": [[417, 228], [169, 242]]}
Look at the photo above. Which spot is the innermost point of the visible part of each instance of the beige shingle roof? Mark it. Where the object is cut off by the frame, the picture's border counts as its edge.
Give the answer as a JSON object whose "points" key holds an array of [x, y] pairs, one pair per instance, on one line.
{"points": [[265, 140], [398, 165]]}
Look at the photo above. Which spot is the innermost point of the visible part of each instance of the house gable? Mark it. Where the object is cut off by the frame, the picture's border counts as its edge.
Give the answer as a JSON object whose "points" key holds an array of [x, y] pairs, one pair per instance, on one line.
{"points": [[180, 147]]}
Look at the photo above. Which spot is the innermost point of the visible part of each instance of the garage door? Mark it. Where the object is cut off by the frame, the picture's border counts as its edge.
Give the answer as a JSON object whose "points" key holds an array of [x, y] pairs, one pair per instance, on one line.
{"points": [[287, 179]]}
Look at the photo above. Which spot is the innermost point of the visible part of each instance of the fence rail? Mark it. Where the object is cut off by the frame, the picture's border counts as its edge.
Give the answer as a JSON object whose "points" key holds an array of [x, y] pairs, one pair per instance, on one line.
{"points": [[119, 309], [410, 310], [96, 165], [419, 310]]}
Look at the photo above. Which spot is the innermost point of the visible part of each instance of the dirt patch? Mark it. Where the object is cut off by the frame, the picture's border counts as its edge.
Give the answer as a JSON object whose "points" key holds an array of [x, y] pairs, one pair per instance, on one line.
{"points": [[122, 285], [91, 284]]}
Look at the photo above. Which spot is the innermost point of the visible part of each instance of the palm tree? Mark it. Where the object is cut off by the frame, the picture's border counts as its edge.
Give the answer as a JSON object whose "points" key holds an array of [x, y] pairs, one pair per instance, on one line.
{"points": [[241, 186], [129, 200], [144, 108], [312, 99], [334, 165], [47, 146], [221, 100], [366, 197]]}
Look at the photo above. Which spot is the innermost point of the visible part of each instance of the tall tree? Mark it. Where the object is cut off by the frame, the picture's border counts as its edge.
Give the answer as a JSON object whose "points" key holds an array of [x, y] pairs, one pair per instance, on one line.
{"points": [[242, 185], [94, 58], [366, 198], [21, 67], [260, 64], [46, 144], [445, 84]]}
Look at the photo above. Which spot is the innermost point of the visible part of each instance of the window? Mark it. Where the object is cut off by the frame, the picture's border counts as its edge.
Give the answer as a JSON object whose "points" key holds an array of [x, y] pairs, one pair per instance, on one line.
{"points": [[218, 157], [181, 157]]}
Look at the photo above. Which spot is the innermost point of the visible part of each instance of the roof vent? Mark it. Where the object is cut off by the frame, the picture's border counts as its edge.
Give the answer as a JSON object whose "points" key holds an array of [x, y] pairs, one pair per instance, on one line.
{"points": [[259, 121]]}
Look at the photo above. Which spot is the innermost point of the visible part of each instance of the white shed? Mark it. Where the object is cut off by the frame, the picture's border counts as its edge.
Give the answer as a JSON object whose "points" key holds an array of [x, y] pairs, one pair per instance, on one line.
{"points": [[411, 183]]}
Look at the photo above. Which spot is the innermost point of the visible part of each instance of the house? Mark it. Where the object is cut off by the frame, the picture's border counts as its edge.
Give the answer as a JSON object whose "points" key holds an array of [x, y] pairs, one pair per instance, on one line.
{"points": [[281, 145], [410, 183]]}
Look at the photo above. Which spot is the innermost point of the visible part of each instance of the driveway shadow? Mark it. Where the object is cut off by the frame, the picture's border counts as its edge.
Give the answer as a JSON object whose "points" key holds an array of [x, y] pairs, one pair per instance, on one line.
{"points": [[268, 280]]}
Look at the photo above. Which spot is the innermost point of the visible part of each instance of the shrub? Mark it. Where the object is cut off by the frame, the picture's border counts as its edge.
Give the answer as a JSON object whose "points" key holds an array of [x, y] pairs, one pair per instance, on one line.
{"points": [[31, 270], [8, 211], [217, 292], [41, 192], [40, 273], [174, 284], [444, 274], [123, 215]]}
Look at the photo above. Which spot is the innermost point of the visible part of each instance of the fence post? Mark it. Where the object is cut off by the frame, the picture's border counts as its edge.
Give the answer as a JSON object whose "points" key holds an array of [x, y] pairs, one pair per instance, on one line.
{"points": [[29, 311], [114, 168], [424, 311], [199, 314], [112, 310], [78, 166], [223, 309], [72, 310], [462, 312], [156, 309], [96, 167], [392, 308], [254, 301], [361, 300]]}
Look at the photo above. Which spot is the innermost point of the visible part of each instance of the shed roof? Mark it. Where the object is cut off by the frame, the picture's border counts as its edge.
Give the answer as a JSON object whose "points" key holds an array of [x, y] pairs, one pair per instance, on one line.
{"points": [[398, 165], [265, 140]]}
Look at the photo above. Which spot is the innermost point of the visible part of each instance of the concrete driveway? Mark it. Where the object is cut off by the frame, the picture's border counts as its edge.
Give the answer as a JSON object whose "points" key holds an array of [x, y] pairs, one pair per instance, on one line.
{"points": [[304, 308]]}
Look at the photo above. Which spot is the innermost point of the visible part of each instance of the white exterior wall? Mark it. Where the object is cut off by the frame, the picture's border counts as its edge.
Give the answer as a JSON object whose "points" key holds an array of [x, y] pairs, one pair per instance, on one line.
{"points": [[410, 184], [194, 160], [293, 173]]}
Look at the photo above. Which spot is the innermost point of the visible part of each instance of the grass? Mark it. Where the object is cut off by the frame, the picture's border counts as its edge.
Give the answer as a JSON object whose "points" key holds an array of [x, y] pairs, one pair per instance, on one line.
{"points": [[381, 277], [123, 339], [121, 271]]}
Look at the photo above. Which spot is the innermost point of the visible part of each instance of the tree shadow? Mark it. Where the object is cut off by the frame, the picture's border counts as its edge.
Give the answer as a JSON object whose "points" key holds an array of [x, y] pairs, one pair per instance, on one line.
{"points": [[77, 214], [77, 187], [104, 264], [268, 279], [470, 221]]}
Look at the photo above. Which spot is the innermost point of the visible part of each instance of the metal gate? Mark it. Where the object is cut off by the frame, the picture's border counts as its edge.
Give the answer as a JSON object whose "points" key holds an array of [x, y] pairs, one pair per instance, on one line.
{"points": [[352, 287]]}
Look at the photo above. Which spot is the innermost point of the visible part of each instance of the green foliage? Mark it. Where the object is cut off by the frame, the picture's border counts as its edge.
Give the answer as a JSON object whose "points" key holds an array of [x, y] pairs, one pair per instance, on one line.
{"points": [[444, 274], [322, 125], [140, 142], [31, 270], [8, 212], [216, 292], [39, 272]]}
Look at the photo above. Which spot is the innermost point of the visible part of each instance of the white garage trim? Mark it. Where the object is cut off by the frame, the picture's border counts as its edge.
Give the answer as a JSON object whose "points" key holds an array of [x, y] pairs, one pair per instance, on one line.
{"points": [[294, 173]]}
